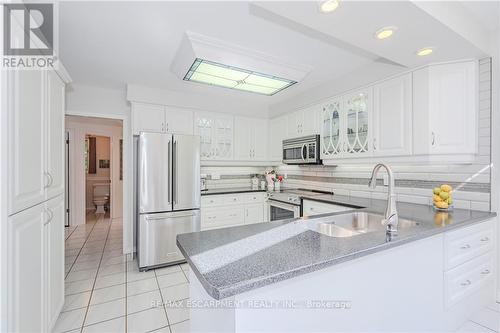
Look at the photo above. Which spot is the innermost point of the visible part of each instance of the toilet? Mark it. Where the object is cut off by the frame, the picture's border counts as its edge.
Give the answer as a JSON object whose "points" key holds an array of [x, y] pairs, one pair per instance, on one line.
{"points": [[101, 197]]}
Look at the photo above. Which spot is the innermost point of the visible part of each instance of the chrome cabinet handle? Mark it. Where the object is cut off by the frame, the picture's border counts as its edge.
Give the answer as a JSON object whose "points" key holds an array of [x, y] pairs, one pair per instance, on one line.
{"points": [[374, 144], [433, 138], [465, 247], [485, 272], [485, 239], [466, 283], [49, 180]]}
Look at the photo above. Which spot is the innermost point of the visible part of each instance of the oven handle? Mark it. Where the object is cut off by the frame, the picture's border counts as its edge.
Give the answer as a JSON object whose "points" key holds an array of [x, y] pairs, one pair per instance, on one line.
{"points": [[282, 205]]}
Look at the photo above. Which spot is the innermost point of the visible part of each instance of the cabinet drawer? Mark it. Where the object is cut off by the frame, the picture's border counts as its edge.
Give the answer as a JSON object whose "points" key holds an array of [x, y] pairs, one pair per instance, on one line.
{"points": [[467, 243], [212, 200], [253, 197], [220, 217], [467, 278]]}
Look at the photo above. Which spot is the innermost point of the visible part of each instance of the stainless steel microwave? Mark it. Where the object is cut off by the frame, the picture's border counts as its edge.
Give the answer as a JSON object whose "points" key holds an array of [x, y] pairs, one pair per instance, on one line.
{"points": [[303, 150]]}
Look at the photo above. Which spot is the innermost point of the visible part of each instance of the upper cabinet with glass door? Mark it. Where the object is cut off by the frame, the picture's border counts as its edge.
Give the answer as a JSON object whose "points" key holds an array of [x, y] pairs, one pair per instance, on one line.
{"points": [[331, 129], [357, 113], [345, 126], [216, 132]]}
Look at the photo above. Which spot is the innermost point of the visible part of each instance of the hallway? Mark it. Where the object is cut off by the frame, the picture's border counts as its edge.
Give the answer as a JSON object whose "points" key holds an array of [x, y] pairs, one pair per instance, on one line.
{"points": [[105, 292]]}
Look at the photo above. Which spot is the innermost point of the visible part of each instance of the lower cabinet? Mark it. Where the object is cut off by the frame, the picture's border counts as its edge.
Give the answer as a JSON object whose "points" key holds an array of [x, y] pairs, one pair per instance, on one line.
{"points": [[226, 210], [36, 267], [311, 208], [469, 261]]}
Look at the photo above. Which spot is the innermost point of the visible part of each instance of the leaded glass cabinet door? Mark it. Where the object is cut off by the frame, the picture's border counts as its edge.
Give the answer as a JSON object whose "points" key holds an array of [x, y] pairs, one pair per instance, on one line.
{"points": [[223, 138], [357, 114], [204, 128], [331, 132]]}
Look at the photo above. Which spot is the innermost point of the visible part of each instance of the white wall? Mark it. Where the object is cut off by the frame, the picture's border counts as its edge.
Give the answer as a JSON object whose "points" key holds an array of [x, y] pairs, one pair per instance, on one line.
{"points": [[78, 128]]}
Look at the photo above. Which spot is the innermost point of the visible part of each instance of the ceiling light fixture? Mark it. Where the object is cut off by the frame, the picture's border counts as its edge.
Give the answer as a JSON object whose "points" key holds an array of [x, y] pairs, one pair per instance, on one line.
{"points": [[385, 32], [204, 71], [329, 6], [425, 51]]}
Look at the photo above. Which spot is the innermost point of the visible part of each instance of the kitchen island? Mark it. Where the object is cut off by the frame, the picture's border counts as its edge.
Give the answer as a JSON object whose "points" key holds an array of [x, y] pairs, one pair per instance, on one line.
{"points": [[290, 276]]}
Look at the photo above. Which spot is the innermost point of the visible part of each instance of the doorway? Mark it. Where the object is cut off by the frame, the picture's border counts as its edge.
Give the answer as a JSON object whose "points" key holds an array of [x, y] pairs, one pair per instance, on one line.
{"points": [[95, 169]]}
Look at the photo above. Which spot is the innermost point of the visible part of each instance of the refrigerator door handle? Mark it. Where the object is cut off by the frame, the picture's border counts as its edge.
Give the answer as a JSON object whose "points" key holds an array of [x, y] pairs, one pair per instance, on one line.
{"points": [[174, 171], [169, 167]]}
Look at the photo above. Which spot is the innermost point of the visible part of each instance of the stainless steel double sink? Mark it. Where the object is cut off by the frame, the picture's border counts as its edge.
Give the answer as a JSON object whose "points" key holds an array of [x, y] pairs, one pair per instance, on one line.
{"points": [[353, 224]]}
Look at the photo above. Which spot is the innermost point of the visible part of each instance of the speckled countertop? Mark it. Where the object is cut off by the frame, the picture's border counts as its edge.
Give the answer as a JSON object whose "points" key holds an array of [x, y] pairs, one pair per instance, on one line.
{"points": [[233, 260], [231, 190]]}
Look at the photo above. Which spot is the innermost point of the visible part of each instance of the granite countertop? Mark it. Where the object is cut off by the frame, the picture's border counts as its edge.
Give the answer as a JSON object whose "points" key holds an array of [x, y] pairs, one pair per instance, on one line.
{"points": [[231, 190], [233, 260]]}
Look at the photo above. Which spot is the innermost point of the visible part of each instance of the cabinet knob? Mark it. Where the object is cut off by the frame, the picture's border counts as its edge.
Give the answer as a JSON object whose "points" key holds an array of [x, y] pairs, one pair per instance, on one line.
{"points": [[433, 135], [465, 247], [485, 239], [374, 144], [485, 272]]}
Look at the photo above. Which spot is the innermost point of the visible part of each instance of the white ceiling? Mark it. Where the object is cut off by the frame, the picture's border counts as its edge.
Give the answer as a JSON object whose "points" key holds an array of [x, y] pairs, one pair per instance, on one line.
{"points": [[110, 44], [485, 12], [113, 43]]}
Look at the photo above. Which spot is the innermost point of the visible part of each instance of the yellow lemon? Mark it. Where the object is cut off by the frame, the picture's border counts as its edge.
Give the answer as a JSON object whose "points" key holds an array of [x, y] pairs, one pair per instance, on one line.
{"points": [[446, 188], [444, 195], [441, 204], [437, 198], [449, 201], [436, 190]]}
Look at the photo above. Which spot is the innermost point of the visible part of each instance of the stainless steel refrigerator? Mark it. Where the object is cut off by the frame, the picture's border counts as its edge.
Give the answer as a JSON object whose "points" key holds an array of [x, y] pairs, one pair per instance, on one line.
{"points": [[168, 195]]}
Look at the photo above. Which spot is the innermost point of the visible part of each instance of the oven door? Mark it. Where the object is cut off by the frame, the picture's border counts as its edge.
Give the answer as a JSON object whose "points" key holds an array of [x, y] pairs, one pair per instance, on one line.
{"points": [[282, 211]]}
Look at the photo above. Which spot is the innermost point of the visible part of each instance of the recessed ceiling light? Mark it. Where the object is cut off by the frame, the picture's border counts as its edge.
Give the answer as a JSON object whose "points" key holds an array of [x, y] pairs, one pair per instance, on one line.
{"points": [[329, 6], [385, 32], [204, 71], [425, 51]]}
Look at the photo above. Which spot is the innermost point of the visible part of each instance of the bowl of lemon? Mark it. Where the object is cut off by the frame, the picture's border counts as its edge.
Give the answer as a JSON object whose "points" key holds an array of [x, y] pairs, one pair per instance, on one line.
{"points": [[442, 198]]}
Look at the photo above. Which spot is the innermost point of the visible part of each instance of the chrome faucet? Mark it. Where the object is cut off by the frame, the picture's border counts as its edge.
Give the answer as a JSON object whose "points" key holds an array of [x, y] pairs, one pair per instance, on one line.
{"points": [[391, 214]]}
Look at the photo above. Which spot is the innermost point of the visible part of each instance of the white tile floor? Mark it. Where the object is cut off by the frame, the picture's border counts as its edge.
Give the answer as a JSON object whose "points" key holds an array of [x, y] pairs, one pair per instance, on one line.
{"points": [[105, 292]]}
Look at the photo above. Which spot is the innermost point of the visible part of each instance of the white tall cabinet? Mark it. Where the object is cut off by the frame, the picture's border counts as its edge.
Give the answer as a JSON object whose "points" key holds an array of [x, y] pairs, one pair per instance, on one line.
{"points": [[444, 109], [392, 116], [33, 246]]}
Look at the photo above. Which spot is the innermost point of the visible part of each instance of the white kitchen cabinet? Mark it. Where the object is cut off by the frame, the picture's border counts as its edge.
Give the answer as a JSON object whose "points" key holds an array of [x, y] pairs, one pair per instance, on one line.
{"points": [[36, 266], [55, 134], [254, 213], [148, 118], [250, 139], [392, 117], [216, 132], [54, 259], [178, 120], [26, 139], [303, 122], [346, 122], [35, 138], [277, 133], [225, 210], [25, 272], [445, 109]]}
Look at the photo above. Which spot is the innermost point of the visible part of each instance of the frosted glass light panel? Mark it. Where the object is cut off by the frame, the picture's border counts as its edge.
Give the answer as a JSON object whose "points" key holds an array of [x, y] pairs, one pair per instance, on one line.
{"points": [[357, 123], [208, 72]]}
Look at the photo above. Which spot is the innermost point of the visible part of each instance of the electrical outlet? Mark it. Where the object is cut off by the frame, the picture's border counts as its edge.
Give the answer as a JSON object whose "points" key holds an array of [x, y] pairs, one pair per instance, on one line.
{"points": [[215, 176]]}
